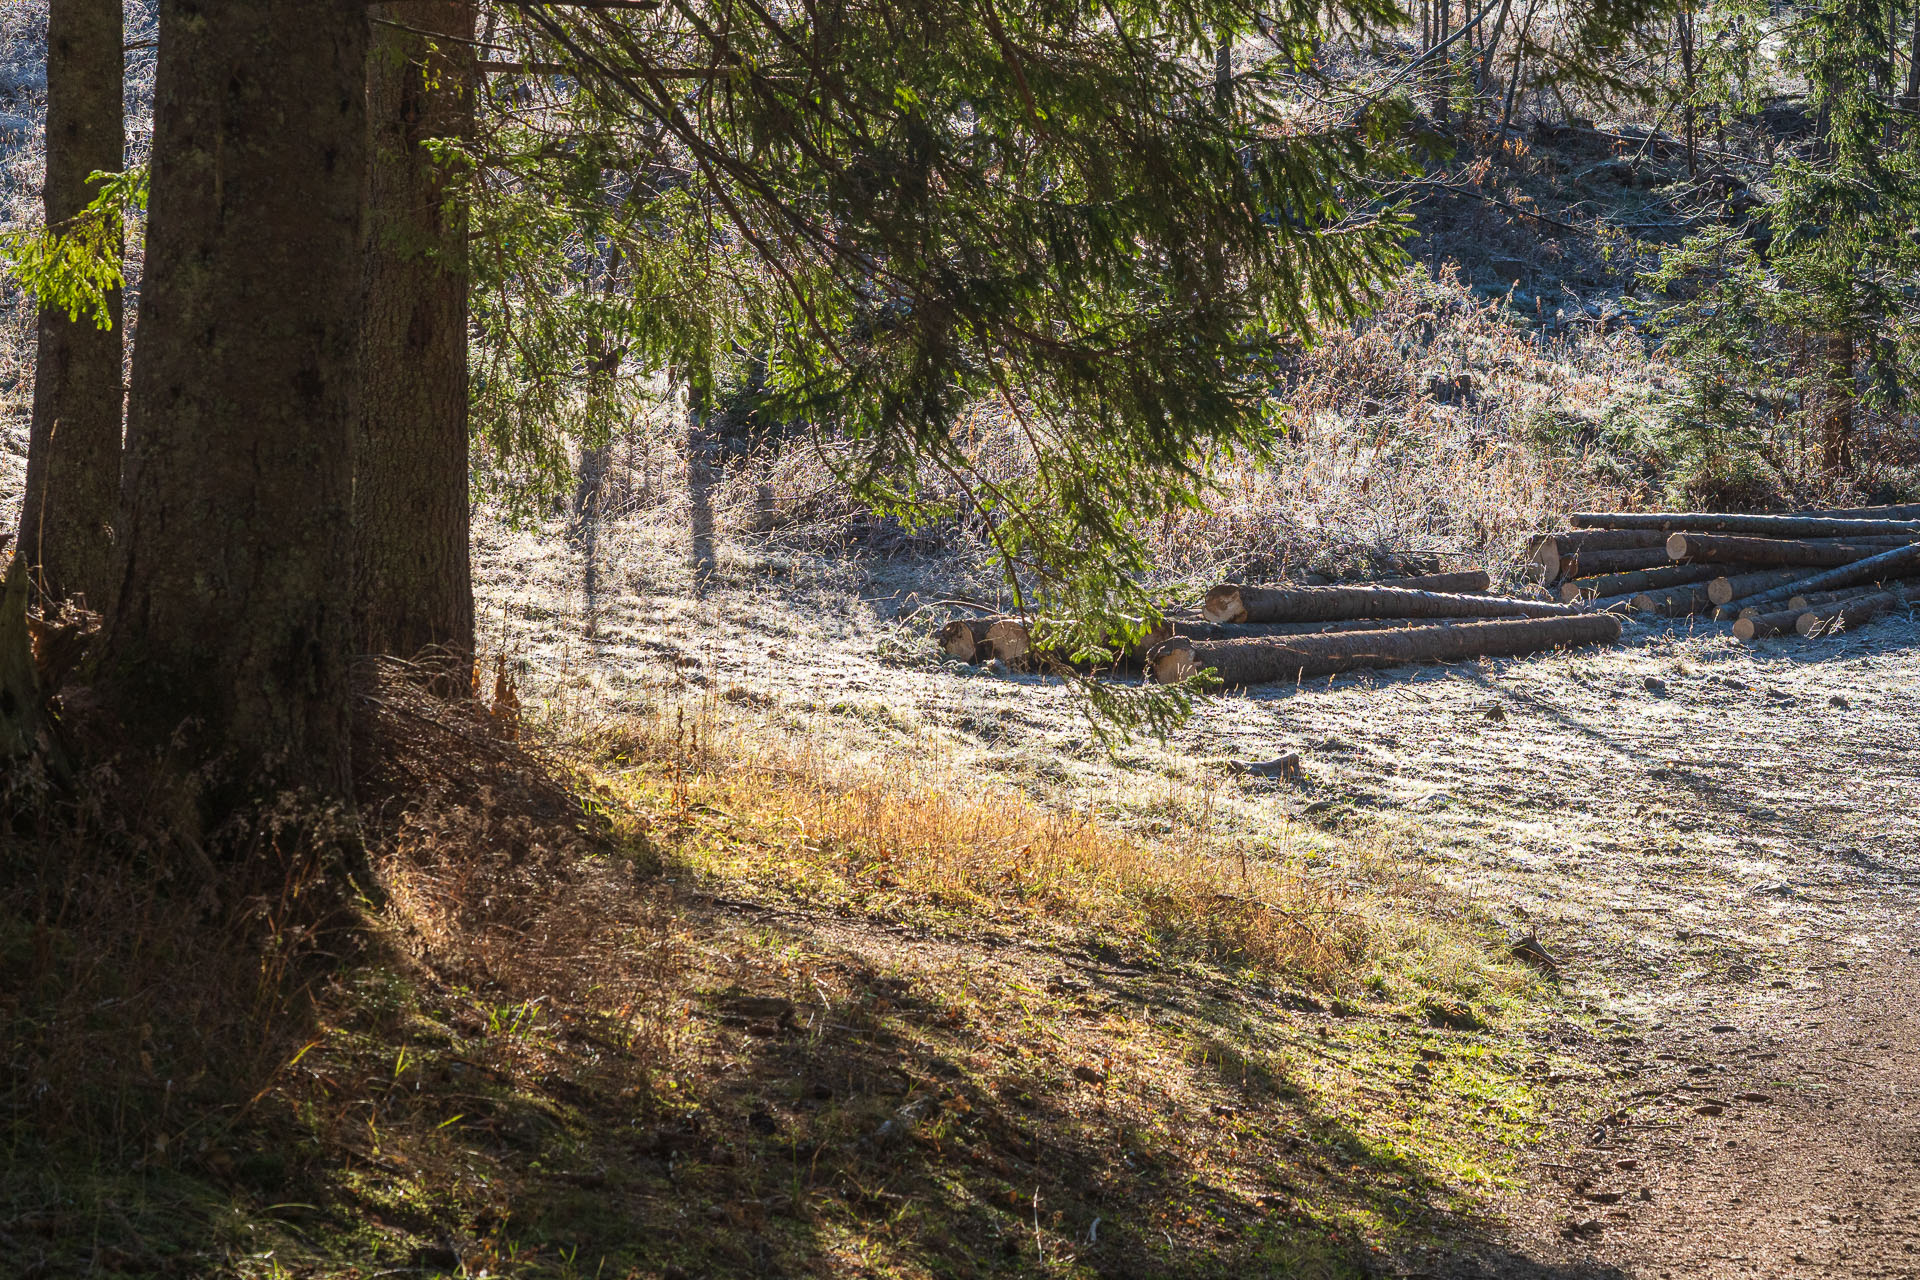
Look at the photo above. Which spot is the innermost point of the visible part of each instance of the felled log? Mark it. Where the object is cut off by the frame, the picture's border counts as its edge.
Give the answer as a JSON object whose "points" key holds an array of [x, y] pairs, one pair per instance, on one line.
{"points": [[1755, 626], [1749, 525], [1591, 564], [1700, 597], [1332, 604], [1896, 563], [1282, 659], [963, 638], [1720, 548], [1619, 584], [1818, 599], [1549, 549], [1467, 582], [1192, 629], [1846, 615], [1894, 511], [1727, 589]]}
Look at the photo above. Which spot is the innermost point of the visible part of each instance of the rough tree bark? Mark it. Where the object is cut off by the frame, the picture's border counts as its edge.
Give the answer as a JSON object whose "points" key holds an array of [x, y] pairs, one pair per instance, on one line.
{"points": [[73, 453], [1332, 604], [1631, 580], [1717, 548], [230, 618], [1726, 590], [413, 580], [1751, 526], [1272, 660], [1888, 565]]}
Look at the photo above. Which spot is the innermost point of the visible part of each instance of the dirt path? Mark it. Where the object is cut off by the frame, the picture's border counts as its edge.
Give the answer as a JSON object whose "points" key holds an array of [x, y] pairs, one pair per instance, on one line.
{"points": [[1709, 835], [1804, 1167]]}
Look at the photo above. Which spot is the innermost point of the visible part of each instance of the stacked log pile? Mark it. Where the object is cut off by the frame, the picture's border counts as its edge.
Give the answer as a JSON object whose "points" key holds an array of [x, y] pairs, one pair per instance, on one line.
{"points": [[1259, 634], [1383, 604], [1810, 573]]}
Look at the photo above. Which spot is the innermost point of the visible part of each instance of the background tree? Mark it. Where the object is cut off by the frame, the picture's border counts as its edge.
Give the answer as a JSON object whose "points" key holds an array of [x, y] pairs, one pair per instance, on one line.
{"points": [[413, 584], [1786, 335], [228, 631], [73, 457]]}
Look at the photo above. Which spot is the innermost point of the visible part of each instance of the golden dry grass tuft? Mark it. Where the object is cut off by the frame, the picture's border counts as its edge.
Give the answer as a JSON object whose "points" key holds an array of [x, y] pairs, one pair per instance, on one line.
{"points": [[908, 832]]}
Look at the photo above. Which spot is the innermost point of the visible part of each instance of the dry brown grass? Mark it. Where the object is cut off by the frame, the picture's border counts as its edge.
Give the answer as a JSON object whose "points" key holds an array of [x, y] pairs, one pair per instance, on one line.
{"points": [[1376, 470], [910, 831], [1376, 467]]}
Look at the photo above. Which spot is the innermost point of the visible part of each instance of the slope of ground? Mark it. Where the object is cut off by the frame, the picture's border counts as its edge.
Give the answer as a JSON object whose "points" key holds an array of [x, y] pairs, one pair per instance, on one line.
{"points": [[1706, 834]]}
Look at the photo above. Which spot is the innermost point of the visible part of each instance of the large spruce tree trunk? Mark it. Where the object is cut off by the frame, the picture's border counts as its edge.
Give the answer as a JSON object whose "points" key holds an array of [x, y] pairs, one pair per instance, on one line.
{"points": [[73, 454], [230, 619], [413, 582]]}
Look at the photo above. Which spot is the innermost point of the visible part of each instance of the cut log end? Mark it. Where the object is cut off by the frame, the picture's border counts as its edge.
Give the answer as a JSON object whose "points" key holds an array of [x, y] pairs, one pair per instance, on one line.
{"points": [[1009, 640], [1223, 604], [1743, 629], [1172, 661], [957, 640]]}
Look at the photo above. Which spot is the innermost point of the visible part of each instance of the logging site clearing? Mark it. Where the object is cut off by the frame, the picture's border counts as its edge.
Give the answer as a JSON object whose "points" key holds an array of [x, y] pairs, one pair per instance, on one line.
{"points": [[1713, 842], [740, 917]]}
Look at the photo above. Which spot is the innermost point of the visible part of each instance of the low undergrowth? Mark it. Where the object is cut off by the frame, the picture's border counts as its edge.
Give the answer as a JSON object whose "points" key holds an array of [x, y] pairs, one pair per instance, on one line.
{"points": [[667, 1011]]}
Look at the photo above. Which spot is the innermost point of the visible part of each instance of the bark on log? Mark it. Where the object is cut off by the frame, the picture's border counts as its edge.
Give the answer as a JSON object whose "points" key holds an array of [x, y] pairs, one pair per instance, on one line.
{"points": [[1716, 548], [1897, 563], [1470, 582], [963, 637], [1748, 525], [1853, 613], [1701, 597], [1579, 540], [1617, 584], [1271, 660], [1549, 550], [1592, 564], [1755, 626], [1816, 599], [1728, 588], [1333, 604], [1191, 629], [1894, 511]]}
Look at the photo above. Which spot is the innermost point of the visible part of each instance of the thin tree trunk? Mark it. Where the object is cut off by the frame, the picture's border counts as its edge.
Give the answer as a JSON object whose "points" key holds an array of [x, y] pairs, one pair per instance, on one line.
{"points": [[228, 637], [413, 582], [1491, 50], [1513, 80], [1687, 71], [1836, 434], [73, 451], [1910, 98]]}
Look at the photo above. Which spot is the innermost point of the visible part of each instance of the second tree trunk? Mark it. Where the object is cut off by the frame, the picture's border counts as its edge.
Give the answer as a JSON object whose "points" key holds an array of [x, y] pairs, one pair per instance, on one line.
{"points": [[413, 583]]}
